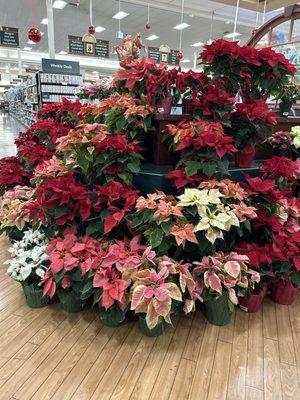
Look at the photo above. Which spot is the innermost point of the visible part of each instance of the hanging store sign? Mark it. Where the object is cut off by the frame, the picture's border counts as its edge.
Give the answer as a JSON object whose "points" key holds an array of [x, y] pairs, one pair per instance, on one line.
{"points": [[163, 55], [60, 66], [9, 36], [98, 49]]}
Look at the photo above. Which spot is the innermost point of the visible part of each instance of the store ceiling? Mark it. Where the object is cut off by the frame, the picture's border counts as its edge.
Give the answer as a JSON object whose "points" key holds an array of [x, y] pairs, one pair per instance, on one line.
{"points": [[164, 15]]}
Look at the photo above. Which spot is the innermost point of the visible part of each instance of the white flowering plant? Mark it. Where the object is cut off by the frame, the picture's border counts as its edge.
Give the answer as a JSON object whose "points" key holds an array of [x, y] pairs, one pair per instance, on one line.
{"points": [[29, 260]]}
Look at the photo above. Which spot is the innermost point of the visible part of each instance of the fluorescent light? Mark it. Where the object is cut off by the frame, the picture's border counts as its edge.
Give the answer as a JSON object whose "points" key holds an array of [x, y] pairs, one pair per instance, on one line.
{"points": [[232, 35], [60, 4], [63, 52], [197, 44], [181, 26], [186, 60], [120, 15], [27, 48], [99, 29], [31, 42], [25, 65], [44, 21], [95, 72], [152, 37]]}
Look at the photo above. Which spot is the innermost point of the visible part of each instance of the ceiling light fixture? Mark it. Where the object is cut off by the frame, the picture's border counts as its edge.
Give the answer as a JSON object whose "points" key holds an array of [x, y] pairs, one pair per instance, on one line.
{"points": [[27, 48], [120, 15], [197, 44], [99, 29], [31, 42], [232, 35], [63, 52], [59, 4], [152, 37], [44, 21], [181, 26], [186, 60]]}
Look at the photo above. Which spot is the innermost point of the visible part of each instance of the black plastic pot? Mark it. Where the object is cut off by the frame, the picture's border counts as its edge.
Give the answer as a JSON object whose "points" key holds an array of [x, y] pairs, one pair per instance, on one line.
{"points": [[284, 109], [217, 310], [34, 296], [113, 316], [70, 302], [156, 331]]}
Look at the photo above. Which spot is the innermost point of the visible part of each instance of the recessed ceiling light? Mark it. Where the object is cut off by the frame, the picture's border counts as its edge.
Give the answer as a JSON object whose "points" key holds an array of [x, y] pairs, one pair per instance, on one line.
{"points": [[183, 25], [44, 21], [99, 29], [31, 42], [197, 44], [95, 72], [228, 22], [27, 48], [152, 37], [120, 15], [60, 4], [63, 52], [232, 35], [25, 66], [186, 60]]}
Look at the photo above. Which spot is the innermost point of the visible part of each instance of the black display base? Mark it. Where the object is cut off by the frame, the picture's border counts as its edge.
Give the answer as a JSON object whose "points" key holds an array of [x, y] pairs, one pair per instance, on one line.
{"points": [[152, 177]]}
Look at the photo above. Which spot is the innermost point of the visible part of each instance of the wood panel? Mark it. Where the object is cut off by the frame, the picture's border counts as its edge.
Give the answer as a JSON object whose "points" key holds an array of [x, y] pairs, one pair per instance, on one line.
{"points": [[47, 354]]}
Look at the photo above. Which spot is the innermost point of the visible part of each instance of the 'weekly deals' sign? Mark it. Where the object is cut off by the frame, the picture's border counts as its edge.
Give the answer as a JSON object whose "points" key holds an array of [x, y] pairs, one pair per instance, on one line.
{"points": [[9, 37], [98, 49], [60, 66]]}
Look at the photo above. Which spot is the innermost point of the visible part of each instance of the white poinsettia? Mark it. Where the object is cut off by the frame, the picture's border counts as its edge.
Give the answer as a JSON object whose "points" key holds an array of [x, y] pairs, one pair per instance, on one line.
{"points": [[215, 222], [29, 258], [295, 133], [198, 197]]}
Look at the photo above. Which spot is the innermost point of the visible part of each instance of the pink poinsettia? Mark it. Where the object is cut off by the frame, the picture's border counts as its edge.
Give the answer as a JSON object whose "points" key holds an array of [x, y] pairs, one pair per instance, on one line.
{"points": [[153, 294], [225, 272], [184, 232]]}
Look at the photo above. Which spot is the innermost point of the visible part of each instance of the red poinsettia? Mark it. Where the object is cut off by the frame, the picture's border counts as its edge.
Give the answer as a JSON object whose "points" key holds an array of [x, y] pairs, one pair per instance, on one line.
{"points": [[12, 173], [33, 153], [181, 179], [48, 131], [258, 255], [119, 143], [64, 112], [280, 167], [272, 58], [220, 47], [61, 198], [118, 199], [256, 110]]}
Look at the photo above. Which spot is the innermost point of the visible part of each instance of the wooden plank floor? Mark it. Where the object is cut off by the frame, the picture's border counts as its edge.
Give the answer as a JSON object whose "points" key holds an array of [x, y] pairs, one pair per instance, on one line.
{"points": [[46, 354]]}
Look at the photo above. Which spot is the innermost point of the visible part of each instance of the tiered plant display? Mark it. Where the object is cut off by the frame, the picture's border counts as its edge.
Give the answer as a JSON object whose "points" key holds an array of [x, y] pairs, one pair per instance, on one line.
{"points": [[83, 233]]}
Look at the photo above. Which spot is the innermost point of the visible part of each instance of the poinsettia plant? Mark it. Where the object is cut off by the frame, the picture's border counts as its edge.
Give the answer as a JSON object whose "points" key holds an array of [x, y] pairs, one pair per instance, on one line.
{"points": [[225, 272], [72, 261], [64, 112], [251, 122], [204, 148], [100, 156], [29, 260], [12, 173], [100, 89]]}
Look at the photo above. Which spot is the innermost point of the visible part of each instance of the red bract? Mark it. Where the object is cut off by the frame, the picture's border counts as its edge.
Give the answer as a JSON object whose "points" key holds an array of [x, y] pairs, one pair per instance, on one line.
{"points": [[33, 153], [64, 112], [181, 179], [66, 196], [256, 110], [116, 198], [220, 47], [272, 58], [258, 255], [119, 143], [12, 173], [48, 130], [190, 80], [280, 167]]}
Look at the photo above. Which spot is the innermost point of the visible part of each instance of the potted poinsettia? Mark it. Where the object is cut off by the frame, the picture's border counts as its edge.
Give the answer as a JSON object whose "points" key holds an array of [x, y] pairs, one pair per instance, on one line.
{"points": [[152, 296], [286, 267], [250, 124], [28, 264], [222, 277], [259, 259], [72, 260], [112, 278]]}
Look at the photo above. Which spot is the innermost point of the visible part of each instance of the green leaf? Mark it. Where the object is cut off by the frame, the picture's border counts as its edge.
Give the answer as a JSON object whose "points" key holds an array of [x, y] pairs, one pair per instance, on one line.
{"points": [[126, 177], [94, 226], [133, 167], [192, 167], [209, 168], [156, 237], [166, 226], [295, 277], [137, 220], [120, 123], [58, 277], [87, 287], [60, 211]]}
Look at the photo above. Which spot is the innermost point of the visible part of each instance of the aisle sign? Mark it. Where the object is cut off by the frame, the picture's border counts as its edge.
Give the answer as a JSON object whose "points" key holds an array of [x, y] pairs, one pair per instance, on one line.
{"points": [[9, 36], [163, 55], [60, 66], [98, 49]]}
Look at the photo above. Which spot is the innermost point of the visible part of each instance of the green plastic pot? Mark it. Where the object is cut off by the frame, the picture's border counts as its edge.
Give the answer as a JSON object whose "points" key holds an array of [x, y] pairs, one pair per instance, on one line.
{"points": [[217, 310], [156, 331], [34, 296], [113, 316], [285, 109], [70, 302]]}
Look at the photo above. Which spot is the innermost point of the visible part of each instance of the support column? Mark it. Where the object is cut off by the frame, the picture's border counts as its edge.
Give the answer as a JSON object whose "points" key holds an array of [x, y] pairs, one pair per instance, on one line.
{"points": [[19, 61], [51, 43]]}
